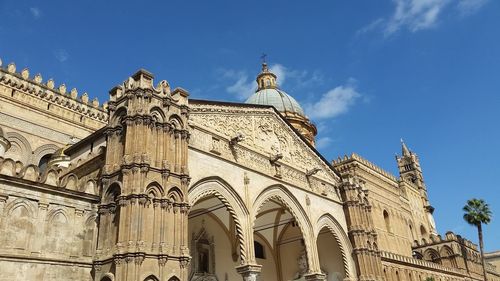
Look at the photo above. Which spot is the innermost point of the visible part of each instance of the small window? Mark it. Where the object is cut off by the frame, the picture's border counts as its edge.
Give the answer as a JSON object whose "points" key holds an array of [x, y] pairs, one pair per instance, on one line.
{"points": [[387, 222], [259, 250], [44, 163]]}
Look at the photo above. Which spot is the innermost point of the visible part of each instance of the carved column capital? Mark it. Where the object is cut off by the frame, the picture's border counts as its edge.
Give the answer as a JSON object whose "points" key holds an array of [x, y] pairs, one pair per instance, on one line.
{"points": [[249, 272], [162, 260]]}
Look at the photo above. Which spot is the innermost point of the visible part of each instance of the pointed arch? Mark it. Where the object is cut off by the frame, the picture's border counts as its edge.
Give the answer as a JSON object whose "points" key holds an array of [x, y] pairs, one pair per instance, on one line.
{"points": [[176, 122], [387, 221], [90, 187], [108, 277], [151, 278], [329, 222], [154, 190], [112, 192], [287, 199], [56, 213], [432, 255], [117, 118], [20, 217], [10, 207], [175, 195], [217, 187], [157, 114]]}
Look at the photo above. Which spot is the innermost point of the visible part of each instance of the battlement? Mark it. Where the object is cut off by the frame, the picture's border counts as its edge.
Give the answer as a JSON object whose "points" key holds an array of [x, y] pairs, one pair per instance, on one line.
{"points": [[34, 88], [355, 157], [449, 237]]}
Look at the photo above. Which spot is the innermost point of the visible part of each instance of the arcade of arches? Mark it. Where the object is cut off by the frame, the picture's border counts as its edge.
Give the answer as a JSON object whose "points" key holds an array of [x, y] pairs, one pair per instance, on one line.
{"points": [[276, 242], [156, 186]]}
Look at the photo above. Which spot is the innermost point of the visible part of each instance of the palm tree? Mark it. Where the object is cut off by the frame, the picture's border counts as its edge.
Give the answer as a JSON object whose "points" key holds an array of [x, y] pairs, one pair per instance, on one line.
{"points": [[476, 213]]}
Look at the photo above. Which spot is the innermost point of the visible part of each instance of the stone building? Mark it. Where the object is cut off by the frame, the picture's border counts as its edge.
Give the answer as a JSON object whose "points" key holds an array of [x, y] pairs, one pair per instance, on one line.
{"points": [[153, 185]]}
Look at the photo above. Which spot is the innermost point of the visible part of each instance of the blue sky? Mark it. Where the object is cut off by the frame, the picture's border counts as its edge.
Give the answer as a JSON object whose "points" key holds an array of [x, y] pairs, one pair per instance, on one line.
{"points": [[367, 72]]}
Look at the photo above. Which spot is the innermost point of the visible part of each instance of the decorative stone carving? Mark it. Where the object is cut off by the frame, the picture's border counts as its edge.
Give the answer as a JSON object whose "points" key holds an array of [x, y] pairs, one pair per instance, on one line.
{"points": [[303, 272], [203, 253], [264, 133]]}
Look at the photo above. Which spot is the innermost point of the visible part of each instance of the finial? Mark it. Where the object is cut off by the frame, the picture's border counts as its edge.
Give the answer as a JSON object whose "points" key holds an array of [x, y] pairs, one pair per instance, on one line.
{"points": [[263, 58], [50, 83], [38, 78], [62, 88], [404, 148], [74, 93], [11, 67], [85, 98], [25, 73]]}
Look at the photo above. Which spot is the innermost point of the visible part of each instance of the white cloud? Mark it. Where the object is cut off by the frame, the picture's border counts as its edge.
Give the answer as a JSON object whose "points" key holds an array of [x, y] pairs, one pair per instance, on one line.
{"points": [[371, 27], [334, 102], [417, 15], [323, 142], [35, 12], [61, 55], [468, 7], [281, 73], [242, 87]]}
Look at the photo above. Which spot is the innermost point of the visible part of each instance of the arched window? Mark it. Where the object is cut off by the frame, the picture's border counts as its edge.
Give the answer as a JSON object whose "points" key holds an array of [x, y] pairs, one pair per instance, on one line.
{"points": [[151, 278], [410, 228], [423, 231], [387, 222], [259, 250], [44, 162], [106, 278]]}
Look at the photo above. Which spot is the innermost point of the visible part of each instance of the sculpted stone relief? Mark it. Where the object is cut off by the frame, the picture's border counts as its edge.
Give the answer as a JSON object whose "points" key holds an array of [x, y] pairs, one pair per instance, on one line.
{"points": [[265, 137]]}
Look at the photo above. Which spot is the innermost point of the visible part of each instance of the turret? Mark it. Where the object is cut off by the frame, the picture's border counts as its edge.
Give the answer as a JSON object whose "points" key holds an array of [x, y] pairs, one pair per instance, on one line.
{"points": [[144, 180]]}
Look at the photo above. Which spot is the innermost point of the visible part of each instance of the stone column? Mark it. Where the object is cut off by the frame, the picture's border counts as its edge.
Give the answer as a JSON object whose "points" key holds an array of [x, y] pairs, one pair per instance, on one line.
{"points": [[249, 272]]}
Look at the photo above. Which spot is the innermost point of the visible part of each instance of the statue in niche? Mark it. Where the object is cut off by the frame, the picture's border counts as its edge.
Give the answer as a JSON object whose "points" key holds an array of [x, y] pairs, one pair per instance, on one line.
{"points": [[202, 251], [304, 267]]}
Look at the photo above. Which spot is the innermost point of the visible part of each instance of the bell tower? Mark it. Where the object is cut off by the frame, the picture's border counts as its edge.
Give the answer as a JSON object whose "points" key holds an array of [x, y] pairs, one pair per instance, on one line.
{"points": [[410, 172], [143, 211], [409, 167]]}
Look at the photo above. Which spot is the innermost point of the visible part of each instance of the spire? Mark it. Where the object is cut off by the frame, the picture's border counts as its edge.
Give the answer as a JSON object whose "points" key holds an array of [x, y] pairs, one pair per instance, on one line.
{"points": [[266, 79], [404, 148]]}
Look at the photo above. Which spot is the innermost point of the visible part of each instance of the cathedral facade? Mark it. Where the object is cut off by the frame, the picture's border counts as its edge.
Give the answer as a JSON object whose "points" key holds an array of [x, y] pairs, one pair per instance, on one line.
{"points": [[155, 186]]}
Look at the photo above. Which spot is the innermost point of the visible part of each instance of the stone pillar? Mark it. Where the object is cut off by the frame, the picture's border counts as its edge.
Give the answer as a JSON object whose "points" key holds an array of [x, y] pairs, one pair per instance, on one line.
{"points": [[249, 272], [40, 223]]}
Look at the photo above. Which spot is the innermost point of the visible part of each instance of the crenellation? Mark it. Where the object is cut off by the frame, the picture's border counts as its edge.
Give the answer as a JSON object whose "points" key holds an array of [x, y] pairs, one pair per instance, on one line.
{"points": [[117, 188], [23, 84]]}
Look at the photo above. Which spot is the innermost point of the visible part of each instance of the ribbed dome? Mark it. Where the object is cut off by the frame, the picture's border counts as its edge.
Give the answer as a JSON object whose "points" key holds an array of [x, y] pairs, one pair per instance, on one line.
{"points": [[277, 98]]}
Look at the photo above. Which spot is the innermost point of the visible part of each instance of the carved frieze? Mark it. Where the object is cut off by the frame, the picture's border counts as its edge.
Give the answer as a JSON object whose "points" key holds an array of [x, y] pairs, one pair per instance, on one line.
{"points": [[265, 136]]}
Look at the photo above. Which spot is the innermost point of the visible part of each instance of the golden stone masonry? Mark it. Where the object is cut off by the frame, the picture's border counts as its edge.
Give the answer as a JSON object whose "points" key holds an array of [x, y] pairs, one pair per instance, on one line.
{"points": [[155, 186]]}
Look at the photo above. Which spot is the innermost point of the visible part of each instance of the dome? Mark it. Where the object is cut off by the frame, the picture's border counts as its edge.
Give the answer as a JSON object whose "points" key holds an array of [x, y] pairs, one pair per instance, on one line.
{"points": [[277, 98]]}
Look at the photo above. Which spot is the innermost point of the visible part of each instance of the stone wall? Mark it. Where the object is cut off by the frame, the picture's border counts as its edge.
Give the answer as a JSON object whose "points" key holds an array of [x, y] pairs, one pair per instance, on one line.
{"points": [[47, 232]]}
